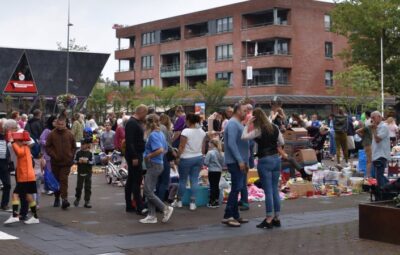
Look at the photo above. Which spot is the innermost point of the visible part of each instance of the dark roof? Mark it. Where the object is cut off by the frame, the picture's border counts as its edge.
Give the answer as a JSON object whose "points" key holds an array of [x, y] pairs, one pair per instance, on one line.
{"points": [[49, 69], [298, 99]]}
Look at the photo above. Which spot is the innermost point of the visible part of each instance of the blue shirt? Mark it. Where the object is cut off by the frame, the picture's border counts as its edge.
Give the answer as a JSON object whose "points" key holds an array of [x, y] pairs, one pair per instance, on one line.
{"points": [[236, 149], [156, 141]]}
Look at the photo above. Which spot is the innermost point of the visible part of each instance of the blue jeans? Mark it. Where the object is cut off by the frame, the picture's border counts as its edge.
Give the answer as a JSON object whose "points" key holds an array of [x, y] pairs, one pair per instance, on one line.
{"points": [[237, 178], [189, 167], [163, 180], [269, 172], [244, 193], [380, 165], [332, 145]]}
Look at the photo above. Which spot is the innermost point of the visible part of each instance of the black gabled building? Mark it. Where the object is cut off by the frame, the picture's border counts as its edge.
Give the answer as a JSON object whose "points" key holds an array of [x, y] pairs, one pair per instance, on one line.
{"points": [[29, 73]]}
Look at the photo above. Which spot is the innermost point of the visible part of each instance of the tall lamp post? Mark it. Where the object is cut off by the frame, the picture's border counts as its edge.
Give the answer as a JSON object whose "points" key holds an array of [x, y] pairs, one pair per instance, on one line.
{"points": [[382, 92], [69, 24]]}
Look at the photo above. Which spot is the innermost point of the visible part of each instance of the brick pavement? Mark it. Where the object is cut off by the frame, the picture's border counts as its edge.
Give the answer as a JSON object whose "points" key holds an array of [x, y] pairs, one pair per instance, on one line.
{"points": [[308, 226]]}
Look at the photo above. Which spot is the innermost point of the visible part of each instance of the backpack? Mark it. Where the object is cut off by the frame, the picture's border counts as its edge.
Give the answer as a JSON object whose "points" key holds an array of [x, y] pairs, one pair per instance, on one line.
{"points": [[35, 149], [340, 123]]}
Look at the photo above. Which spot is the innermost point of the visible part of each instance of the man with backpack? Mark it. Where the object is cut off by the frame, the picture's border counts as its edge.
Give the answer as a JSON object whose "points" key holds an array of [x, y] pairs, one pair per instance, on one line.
{"points": [[340, 125]]}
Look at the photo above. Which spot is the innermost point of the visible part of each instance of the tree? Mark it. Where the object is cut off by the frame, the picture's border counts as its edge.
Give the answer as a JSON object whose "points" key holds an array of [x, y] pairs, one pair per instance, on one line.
{"points": [[358, 87], [212, 93], [162, 97], [364, 23], [73, 46]]}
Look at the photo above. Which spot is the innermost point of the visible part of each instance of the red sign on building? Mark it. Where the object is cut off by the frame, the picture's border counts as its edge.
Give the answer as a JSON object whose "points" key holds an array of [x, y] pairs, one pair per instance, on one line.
{"points": [[20, 87]]}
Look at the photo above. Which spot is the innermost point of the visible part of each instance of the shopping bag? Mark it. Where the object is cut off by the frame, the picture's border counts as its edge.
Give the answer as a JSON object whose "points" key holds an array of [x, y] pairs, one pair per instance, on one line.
{"points": [[50, 181], [350, 142]]}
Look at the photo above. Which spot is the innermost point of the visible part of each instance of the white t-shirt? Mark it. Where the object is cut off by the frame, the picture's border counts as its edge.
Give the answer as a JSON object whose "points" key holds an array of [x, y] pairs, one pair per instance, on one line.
{"points": [[194, 144]]}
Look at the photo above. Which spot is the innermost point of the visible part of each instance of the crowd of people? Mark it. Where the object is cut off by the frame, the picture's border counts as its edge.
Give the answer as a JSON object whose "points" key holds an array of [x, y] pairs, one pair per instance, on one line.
{"points": [[163, 153]]}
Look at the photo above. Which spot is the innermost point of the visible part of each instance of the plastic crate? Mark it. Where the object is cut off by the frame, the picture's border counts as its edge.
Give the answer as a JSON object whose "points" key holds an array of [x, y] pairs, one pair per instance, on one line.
{"points": [[202, 196]]}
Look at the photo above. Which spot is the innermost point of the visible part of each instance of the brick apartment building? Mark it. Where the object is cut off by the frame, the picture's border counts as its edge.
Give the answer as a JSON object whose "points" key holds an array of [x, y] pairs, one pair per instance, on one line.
{"points": [[287, 43]]}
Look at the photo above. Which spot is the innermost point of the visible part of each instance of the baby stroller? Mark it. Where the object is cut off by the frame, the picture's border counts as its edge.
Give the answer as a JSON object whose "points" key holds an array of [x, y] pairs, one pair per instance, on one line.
{"points": [[114, 171]]}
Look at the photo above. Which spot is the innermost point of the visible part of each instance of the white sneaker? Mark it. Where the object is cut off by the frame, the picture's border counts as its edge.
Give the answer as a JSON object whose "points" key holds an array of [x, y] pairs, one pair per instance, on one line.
{"points": [[50, 192], [167, 214], [149, 220], [192, 206], [177, 204], [32, 220], [12, 220]]}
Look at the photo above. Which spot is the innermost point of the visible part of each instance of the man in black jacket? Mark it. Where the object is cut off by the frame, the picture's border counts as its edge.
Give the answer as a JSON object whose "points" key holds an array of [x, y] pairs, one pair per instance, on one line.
{"points": [[134, 140], [35, 125]]}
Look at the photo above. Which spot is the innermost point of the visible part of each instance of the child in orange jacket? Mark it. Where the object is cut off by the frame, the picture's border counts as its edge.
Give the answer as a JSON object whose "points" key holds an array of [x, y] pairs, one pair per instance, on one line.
{"points": [[26, 182]]}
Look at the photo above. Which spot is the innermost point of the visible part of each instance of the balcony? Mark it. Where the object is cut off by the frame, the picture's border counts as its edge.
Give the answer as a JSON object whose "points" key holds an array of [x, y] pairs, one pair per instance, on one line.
{"points": [[124, 75], [269, 77], [125, 53], [167, 71], [172, 34], [196, 30], [270, 17], [196, 68]]}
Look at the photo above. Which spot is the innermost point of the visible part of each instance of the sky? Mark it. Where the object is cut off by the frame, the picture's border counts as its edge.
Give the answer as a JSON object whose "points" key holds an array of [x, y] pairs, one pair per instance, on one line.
{"points": [[40, 24]]}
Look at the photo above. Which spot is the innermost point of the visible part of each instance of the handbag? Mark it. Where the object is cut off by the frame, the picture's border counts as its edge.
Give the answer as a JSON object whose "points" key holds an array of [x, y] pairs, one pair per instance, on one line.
{"points": [[350, 142], [50, 181]]}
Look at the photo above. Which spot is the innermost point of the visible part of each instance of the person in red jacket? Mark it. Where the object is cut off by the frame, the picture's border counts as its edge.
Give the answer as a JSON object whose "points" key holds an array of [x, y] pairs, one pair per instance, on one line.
{"points": [[26, 182]]}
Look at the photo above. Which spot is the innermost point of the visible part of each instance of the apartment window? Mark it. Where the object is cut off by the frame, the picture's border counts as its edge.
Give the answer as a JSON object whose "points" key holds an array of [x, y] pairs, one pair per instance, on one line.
{"points": [[225, 76], [328, 50], [148, 38], [225, 25], [282, 76], [147, 82], [329, 78], [147, 62], [327, 22], [224, 52]]}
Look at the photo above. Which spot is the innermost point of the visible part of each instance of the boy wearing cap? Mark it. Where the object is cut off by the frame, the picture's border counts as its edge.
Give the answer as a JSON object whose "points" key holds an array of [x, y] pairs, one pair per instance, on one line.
{"points": [[84, 160]]}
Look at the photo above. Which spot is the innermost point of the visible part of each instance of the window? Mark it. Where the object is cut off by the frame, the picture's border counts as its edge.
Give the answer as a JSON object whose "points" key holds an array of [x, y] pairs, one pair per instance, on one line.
{"points": [[225, 76], [270, 76], [329, 78], [147, 82], [282, 46], [148, 38], [328, 50], [224, 52], [147, 62], [282, 76], [327, 22], [224, 25]]}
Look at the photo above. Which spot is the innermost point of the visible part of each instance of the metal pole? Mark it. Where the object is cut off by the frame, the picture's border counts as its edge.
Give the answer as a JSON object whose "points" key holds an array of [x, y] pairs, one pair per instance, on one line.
{"points": [[382, 92], [247, 81], [68, 25]]}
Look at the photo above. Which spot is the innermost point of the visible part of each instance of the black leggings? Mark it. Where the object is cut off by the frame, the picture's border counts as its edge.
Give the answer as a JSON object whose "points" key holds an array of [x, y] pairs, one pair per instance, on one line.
{"points": [[213, 178]]}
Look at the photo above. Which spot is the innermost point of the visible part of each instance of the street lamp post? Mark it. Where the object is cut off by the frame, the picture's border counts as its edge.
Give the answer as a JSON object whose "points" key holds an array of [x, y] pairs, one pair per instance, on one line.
{"points": [[247, 79], [67, 72], [382, 92]]}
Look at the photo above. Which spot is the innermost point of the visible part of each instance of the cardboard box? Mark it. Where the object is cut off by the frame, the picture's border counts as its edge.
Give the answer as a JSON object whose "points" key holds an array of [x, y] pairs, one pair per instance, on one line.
{"points": [[301, 189], [294, 134], [306, 157], [292, 147]]}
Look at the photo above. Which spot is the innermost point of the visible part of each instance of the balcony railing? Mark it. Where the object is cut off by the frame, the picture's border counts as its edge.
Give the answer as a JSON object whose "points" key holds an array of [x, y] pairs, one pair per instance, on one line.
{"points": [[196, 68], [269, 53], [170, 71], [124, 70]]}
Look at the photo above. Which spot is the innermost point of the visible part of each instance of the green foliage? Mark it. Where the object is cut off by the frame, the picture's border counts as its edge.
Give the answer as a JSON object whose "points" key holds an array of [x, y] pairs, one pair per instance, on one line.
{"points": [[8, 103], [358, 87], [364, 22], [165, 98], [212, 93]]}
